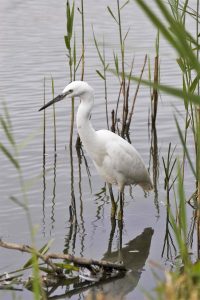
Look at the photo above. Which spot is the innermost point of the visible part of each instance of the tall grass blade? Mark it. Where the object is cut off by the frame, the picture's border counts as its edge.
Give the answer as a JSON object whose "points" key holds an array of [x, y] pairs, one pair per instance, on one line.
{"points": [[42, 250], [168, 89], [7, 130], [98, 51], [127, 2], [100, 74], [18, 202], [112, 14], [7, 115], [9, 156], [176, 35], [185, 148]]}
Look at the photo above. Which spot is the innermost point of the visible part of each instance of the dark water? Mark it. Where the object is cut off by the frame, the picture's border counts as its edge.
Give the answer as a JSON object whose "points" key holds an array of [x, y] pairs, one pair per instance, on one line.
{"points": [[31, 47]]}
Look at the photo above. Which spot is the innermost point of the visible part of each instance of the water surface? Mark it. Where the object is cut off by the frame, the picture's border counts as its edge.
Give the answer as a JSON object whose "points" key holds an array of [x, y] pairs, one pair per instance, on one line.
{"points": [[32, 46]]}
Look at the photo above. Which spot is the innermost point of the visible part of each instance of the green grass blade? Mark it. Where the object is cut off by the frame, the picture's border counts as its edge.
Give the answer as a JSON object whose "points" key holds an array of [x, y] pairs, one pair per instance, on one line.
{"points": [[26, 141], [176, 35], [98, 51], [42, 250], [127, 2], [19, 203], [9, 156], [185, 148], [7, 131], [165, 88], [112, 14], [7, 115], [100, 74]]}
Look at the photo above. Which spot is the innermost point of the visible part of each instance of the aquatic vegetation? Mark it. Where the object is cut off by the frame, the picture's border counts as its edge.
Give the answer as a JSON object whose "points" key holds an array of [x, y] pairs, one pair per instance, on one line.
{"points": [[183, 283]]}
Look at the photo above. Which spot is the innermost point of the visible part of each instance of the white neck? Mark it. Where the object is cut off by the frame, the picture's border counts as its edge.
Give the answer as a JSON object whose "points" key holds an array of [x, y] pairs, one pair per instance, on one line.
{"points": [[84, 126]]}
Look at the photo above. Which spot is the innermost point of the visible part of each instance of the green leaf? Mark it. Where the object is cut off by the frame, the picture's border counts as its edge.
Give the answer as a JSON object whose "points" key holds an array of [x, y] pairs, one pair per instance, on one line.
{"points": [[43, 250], [116, 63], [98, 51], [7, 115], [180, 39], [185, 148], [7, 131], [127, 2], [52, 86], [70, 20], [9, 156], [46, 270], [67, 42], [186, 99], [112, 14], [27, 140], [181, 64], [46, 247], [165, 88], [100, 74], [19, 203], [194, 84], [106, 67], [68, 267], [74, 51]]}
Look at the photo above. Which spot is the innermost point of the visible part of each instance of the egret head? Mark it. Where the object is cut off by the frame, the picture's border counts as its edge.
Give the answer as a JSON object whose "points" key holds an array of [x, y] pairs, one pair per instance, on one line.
{"points": [[73, 89]]}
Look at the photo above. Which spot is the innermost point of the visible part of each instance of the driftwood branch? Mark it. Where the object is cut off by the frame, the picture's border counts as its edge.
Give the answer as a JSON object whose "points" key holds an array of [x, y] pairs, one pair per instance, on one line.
{"points": [[31, 250], [79, 261]]}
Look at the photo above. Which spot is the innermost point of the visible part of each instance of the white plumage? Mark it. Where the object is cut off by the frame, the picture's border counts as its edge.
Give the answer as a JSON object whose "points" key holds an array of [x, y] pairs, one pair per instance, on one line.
{"points": [[117, 161]]}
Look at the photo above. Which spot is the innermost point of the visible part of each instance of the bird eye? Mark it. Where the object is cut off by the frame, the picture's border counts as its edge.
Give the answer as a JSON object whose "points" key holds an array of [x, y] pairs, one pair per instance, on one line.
{"points": [[70, 91]]}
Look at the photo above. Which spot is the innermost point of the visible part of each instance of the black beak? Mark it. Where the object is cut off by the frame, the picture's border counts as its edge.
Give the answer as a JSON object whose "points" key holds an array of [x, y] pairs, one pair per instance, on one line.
{"points": [[57, 99]]}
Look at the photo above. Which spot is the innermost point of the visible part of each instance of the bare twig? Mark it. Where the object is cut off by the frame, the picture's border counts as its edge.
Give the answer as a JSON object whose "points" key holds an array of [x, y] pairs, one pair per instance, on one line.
{"points": [[28, 249]]}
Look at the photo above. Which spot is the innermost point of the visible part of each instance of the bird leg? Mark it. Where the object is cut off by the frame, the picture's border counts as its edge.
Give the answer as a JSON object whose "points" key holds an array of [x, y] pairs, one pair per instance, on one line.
{"points": [[121, 199], [114, 204]]}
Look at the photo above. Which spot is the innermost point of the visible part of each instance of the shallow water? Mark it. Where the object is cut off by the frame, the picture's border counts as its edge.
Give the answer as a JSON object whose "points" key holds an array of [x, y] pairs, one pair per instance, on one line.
{"points": [[32, 46]]}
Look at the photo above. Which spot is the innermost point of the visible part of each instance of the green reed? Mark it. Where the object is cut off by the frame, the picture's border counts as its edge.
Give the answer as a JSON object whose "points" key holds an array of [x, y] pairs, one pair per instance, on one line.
{"points": [[154, 96], [71, 50], [183, 280], [83, 40], [12, 152], [54, 114], [172, 25], [124, 76], [105, 65]]}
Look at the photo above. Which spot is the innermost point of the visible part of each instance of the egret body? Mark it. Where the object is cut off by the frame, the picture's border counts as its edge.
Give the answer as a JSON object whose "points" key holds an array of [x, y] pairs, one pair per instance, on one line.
{"points": [[117, 161]]}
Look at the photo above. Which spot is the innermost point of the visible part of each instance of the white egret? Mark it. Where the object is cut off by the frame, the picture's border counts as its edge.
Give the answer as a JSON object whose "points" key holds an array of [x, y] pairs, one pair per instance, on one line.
{"points": [[115, 159]]}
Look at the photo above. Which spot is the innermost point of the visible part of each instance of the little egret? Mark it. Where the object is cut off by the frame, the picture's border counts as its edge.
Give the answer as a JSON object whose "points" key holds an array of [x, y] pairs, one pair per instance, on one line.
{"points": [[117, 161]]}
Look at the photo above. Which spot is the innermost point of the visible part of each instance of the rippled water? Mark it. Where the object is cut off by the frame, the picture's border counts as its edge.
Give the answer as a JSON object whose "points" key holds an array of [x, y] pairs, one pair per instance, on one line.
{"points": [[31, 47]]}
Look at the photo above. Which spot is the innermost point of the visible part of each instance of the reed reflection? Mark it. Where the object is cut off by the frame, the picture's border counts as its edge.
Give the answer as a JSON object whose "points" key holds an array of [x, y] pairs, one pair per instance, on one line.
{"points": [[44, 162], [155, 165], [169, 164], [43, 194], [72, 207], [70, 238], [82, 232], [53, 194]]}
